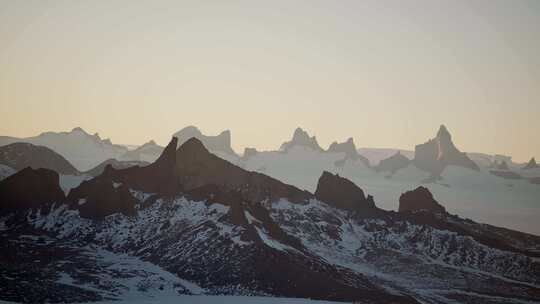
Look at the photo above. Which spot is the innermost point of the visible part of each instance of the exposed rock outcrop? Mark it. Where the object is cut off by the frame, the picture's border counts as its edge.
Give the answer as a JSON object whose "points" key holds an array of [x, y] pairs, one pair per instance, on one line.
{"points": [[349, 149], [22, 155], [100, 197], [30, 188], [191, 170], [197, 167], [301, 138], [419, 199], [341, 193], [218, 143], [393, 163], [531, 164], [439, 152]]}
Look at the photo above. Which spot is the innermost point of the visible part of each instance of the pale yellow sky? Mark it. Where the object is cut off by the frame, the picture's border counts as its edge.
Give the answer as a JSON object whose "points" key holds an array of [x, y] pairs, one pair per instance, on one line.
{"points": [[384, 72]]}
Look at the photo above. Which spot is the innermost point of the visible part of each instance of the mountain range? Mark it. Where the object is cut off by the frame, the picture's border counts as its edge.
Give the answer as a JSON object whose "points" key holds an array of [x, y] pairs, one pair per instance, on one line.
{"points": [[194, 223]]}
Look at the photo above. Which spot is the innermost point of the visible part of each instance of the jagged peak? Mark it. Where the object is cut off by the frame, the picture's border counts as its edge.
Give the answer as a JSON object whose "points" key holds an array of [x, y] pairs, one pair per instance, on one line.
{"points": [[169, 152], [78, 129], [443, 132], [301, 138]]}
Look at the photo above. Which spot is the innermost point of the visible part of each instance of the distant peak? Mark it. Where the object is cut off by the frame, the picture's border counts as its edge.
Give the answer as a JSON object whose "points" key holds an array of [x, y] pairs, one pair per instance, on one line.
{"points": [[299, 132], [78, 129], [443, 132], [150, 143]]}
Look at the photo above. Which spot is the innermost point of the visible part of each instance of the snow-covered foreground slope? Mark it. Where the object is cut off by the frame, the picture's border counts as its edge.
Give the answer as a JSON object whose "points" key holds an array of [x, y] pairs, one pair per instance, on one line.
{"points": [[184, 247], [478, 195]]}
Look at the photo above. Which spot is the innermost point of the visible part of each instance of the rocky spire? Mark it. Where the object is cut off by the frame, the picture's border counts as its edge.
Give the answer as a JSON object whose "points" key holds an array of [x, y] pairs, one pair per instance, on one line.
{"points": [[531, 164], [439, 152], [301, 138]]}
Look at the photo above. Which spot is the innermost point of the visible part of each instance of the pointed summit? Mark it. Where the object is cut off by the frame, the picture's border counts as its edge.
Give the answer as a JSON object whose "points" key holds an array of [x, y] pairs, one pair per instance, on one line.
{"points": [[439, 152], [531, 164], [443, 132], [301, 138], [78, 129]]}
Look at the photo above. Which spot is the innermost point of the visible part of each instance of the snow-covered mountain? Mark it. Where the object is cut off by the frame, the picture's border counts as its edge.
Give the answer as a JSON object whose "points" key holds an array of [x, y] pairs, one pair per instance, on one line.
{"points": [[193, 223], [81, 149]]}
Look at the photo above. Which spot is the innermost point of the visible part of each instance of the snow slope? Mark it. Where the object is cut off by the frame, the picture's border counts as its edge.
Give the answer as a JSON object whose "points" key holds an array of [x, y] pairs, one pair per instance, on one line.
{"points": [[478, 195]]}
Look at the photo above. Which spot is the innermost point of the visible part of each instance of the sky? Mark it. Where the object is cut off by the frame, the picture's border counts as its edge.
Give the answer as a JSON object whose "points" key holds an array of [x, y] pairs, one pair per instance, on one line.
{"points": [[386, 73]]}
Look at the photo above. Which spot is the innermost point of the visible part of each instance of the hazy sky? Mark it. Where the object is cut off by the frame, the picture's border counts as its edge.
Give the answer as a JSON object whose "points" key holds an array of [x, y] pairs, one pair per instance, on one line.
{"points": [[384, 72]]}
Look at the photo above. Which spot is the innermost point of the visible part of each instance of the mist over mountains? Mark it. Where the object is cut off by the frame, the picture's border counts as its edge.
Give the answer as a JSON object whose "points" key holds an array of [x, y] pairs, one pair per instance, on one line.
{"points": [[196, 218]]}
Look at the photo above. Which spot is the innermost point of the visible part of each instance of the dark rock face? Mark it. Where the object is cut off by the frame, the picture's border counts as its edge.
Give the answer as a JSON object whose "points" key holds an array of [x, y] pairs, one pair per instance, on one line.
{"points": [[190, 170], [349, 148], [531, 165], [196, 167], [116, 164], [301, 138], [218, 143], [393, 163], [342, 193], [158, 177], [22, 155], [440, 152], [30, 188], [100, 197], [419, 199]]}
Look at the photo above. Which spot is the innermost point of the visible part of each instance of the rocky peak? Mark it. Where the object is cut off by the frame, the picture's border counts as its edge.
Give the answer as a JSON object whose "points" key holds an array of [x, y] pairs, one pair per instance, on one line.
{"points": [[341, 193], [393, 163], [531, 164], [439, 152], [419, 199], [348, 147], [30, 188], [301, 138]]}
